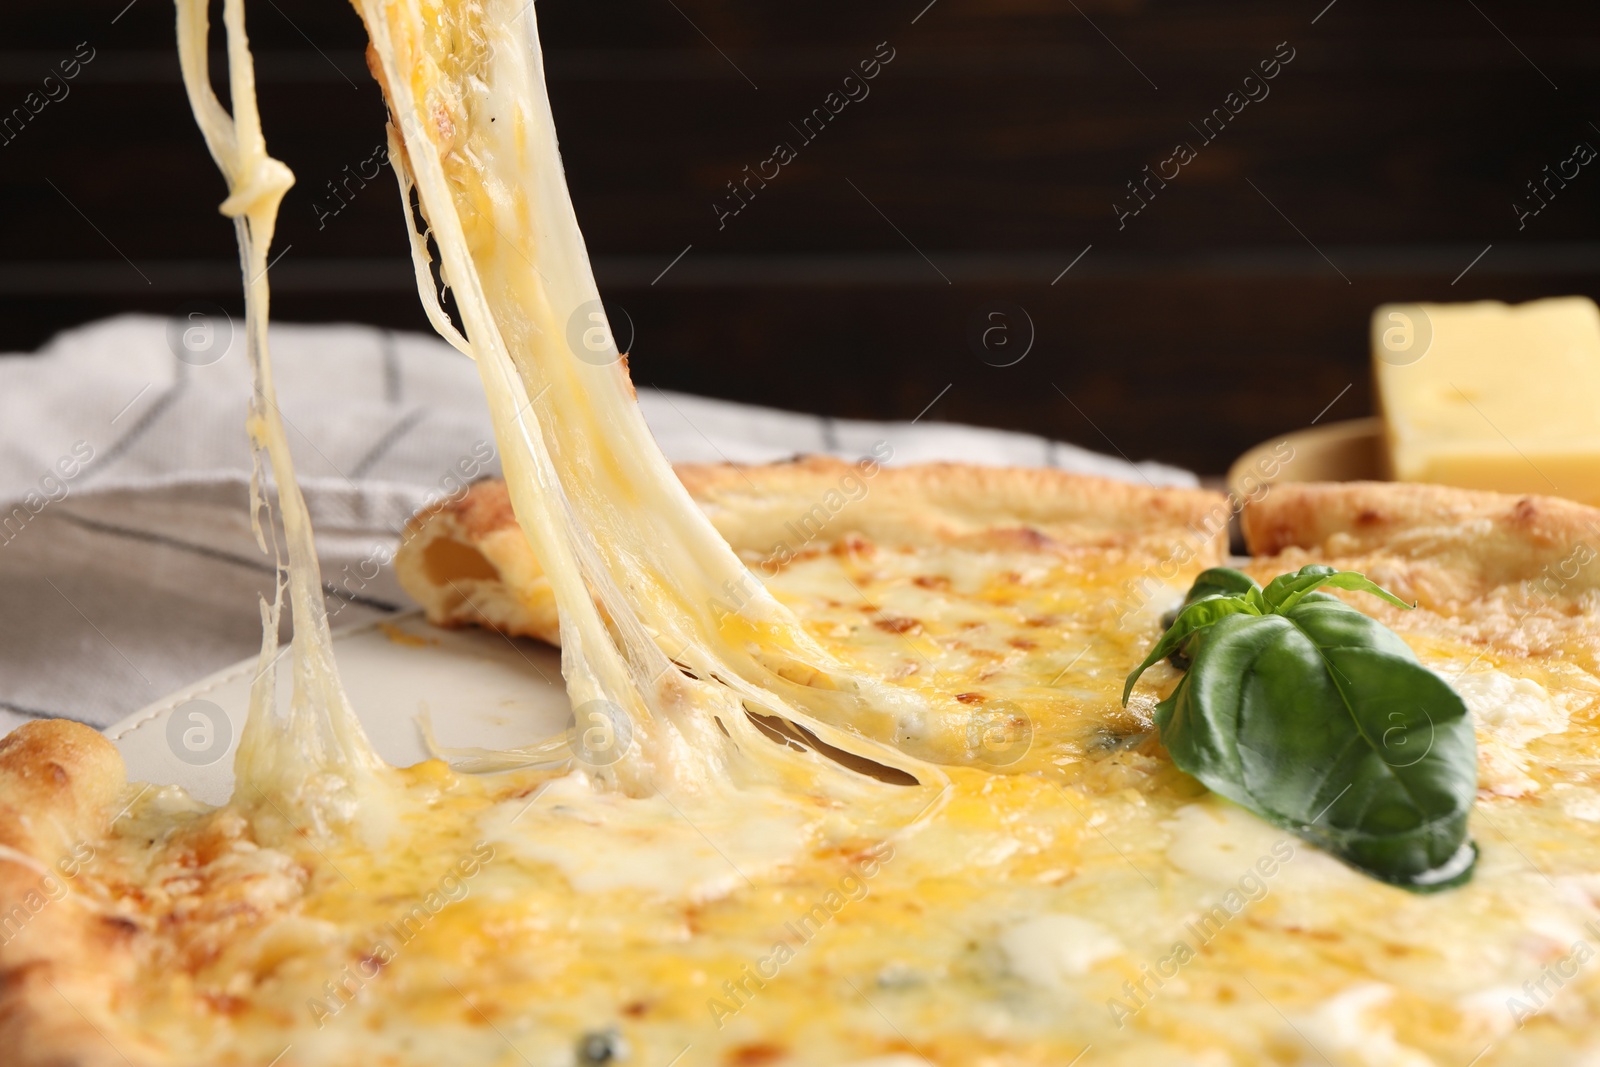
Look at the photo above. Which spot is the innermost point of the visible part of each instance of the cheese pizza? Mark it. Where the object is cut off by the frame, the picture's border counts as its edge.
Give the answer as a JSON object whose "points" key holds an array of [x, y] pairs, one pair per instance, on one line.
{"points": [[1066, 889], [865, 768]]}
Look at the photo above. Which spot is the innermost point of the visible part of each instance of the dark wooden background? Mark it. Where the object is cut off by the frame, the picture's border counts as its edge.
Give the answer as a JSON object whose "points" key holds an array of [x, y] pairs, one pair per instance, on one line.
{"points": [[985, 160]]}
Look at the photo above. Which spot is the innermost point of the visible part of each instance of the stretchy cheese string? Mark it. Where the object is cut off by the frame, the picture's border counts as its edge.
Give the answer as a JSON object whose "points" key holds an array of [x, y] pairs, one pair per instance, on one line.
{"points": [[642, 580], [639, 574], [319, 742]]}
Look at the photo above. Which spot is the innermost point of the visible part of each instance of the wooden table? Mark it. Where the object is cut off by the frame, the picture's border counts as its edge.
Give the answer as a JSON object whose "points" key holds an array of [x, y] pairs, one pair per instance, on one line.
{"points": [[1381, 162]]}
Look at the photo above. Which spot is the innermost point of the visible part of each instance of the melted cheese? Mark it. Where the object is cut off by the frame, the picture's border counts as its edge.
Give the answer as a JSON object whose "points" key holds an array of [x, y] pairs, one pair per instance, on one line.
{"points": [[694, 852], [316, 757], [638, 573], [1509, 714], [1018, 657], [1040, 909], [1030, 915], [1051, 950]]}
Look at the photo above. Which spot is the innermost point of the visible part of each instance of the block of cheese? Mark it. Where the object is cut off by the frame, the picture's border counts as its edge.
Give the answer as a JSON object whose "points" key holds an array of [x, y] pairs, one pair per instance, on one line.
{"points": [[1492, 396]]}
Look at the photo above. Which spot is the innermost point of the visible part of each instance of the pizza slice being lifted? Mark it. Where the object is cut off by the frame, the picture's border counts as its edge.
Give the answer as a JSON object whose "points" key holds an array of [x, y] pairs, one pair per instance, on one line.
{"points": [[991, 593]]}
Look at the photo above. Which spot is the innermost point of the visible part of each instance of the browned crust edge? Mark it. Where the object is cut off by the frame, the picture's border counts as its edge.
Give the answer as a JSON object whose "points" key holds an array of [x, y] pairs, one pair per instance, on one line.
{"points": [[61, 962], [1496, 538], [466, 561], [942, 499]]}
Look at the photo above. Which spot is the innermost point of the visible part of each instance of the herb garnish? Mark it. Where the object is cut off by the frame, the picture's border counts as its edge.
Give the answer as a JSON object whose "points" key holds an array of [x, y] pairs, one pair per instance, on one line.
{"points": [[1322, 721]]}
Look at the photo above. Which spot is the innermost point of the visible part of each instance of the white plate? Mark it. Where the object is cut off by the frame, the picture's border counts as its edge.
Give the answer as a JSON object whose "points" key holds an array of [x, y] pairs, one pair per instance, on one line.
{"points": [[480, 688]]}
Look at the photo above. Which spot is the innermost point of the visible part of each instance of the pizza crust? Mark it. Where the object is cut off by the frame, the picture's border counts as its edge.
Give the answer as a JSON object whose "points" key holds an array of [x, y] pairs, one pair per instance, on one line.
{"points": [[61, 962], [1467, 542], [942, 503], [467, 562]]}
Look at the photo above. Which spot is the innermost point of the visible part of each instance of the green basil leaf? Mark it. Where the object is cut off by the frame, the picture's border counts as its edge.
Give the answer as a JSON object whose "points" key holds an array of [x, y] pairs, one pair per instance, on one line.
{"points": [[1213, 581], [1287, 590], [1219, 581], [1191, 620], [1321, 720]]}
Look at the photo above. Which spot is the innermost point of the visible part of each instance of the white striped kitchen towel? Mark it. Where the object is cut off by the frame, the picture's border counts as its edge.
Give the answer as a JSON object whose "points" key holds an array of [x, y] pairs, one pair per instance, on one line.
{"points": [[127, 565]]}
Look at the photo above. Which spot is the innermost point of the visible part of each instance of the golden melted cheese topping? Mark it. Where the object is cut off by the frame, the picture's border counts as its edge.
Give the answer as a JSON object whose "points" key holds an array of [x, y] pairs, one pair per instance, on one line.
{"points": [[1085, 894], [1021, 653]]}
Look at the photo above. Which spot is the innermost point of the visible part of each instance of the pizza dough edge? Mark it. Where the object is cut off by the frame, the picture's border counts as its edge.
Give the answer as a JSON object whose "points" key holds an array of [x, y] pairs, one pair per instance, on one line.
{"points": [[467, 563], [62, 961]]}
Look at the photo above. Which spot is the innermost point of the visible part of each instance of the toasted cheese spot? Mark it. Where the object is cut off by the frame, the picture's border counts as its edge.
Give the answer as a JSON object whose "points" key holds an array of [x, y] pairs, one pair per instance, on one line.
{"points": [[854, 546]]}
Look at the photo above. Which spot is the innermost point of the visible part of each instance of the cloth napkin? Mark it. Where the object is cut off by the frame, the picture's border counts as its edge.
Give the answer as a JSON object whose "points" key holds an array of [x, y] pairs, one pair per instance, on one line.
{"points": [[127, 565]]}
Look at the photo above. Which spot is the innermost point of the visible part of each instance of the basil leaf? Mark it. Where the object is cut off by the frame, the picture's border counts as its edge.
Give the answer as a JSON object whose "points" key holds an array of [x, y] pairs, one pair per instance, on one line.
{"points": [[1286, 590], [1219, 581], [1321, 720], [1192, 619], [1213, 581]]}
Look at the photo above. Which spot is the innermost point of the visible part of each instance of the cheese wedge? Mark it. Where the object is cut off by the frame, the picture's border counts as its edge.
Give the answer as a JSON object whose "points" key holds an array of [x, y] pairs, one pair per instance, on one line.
{"points": [[1492, 396]]}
